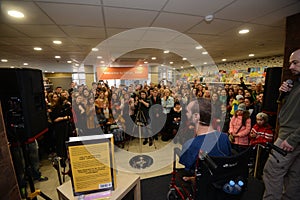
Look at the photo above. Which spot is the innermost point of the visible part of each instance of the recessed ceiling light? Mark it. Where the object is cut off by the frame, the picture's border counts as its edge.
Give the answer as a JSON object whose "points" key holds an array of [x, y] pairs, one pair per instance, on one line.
{"points": [[251, 55], [99, 57], [198, 47], [57, 57], [204, 52], [205, 63], [46, 71], [76, 64], [173, 68], [181, 67], [15, 13], [12, 66], [57, 42], [166, 51], [37, 48], [224, 59], [145, 62], [25, 64], [69, 61], [102, 61], [244, 31], [95, 49], [4, 60], [153, 58], [171, 63], [184, 58]]}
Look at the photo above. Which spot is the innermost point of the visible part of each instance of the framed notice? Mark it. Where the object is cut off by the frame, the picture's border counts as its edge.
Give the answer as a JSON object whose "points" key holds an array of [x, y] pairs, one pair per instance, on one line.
{"points": [[92, 164]]}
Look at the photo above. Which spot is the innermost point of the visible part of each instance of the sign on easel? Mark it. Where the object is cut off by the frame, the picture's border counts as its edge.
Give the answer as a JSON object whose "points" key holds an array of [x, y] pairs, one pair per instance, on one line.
{"points": [[92, 164]]}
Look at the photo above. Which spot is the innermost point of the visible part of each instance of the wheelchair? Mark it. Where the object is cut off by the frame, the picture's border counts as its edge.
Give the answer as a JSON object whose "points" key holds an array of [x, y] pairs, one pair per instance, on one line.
{"points": [[212, 176]]}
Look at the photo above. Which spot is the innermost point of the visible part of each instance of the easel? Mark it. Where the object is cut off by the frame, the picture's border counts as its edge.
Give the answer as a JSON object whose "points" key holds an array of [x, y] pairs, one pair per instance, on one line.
{"points": [[140, 121]]}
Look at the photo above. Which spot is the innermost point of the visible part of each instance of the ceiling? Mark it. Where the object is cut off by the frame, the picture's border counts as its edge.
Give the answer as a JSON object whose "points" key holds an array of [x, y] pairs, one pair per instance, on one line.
{"points": [[128, 31]]}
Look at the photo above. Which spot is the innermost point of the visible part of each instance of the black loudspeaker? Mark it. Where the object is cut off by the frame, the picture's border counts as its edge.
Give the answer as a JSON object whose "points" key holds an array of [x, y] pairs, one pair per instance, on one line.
{"points": [[271, 89], [23, 101]]}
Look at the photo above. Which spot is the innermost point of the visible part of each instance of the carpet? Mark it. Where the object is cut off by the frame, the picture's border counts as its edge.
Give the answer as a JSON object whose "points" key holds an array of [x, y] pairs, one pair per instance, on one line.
{"points": [[156, 188]]}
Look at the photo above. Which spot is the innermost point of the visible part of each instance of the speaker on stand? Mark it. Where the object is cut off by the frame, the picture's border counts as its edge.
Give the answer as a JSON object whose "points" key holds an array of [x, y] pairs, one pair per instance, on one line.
{"points": [[271, 93]]}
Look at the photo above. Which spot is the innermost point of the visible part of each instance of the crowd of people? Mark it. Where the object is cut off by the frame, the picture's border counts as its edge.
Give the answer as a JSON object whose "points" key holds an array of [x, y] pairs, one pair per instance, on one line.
{"points": [[160, 109]]}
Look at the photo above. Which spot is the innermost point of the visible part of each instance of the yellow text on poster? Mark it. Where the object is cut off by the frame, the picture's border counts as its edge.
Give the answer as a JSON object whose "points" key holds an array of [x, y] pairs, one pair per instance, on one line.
{"points": [[91, 169]]}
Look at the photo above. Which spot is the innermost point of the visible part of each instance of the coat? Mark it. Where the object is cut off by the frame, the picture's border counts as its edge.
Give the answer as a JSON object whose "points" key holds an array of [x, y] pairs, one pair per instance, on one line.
{"points": [[235, 123]]}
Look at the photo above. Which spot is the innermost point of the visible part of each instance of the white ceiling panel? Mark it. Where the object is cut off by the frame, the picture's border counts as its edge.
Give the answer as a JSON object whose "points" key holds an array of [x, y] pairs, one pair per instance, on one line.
{"points": [[7, 31], [147, 5], [196, 7], [40, 30], [84, 32], [86, 41], [275, 18], [87, 2], [215, 27], [20, 41], [177, 22], [245, 10], [128, 18], [33, 15], [69, 14]]}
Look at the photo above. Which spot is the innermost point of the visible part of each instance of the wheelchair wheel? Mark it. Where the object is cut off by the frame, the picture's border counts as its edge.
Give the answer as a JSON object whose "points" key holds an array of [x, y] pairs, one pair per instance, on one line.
{"points": [[174, 195]]}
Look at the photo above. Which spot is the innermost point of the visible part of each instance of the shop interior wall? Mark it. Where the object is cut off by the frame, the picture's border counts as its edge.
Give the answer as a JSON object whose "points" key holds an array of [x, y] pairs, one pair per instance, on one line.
{"points": [[59, 79]]}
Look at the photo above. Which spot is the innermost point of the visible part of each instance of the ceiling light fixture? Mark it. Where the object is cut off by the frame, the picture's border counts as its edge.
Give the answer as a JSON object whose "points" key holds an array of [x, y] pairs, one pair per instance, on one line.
{"points": [[37, 48], [209, 18], [166, 51], [25, 64], [95, 49], [204, 52], [224, 59], [153, 58], [184, 58], [57, 42], [15, 13], [171, 62], [4, 60], [69, 61], [57, 57], [99, 57], [145, 62], [198, 47], [244, 31], [251, 55]]}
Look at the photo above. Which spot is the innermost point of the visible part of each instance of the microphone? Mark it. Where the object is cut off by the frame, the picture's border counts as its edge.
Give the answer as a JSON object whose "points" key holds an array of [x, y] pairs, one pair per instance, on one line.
{"points": [[282, 94]]}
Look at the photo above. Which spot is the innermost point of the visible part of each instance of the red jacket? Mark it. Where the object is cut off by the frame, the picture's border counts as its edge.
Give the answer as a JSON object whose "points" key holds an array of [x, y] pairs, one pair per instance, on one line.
{"points": [[263, 134]]}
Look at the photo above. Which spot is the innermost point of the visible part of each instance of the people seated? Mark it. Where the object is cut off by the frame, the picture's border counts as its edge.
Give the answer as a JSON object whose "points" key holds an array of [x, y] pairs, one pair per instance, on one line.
{"points": [[213, 142]]}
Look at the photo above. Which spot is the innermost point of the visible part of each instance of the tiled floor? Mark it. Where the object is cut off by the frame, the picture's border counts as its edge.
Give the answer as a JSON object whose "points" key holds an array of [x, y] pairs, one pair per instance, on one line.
{"points": [[161, 153]]}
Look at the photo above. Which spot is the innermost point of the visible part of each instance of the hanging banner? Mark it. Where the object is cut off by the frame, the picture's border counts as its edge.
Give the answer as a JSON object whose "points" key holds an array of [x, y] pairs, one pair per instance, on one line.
{"points": [[122, 73]]}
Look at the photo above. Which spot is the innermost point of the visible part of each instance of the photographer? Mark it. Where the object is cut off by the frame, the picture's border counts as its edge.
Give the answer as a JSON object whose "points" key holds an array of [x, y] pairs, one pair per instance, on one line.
{"points": [[142, 105]]}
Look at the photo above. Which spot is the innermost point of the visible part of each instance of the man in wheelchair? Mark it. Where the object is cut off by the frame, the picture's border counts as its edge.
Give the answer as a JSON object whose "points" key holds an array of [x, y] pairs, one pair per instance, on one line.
{"points": [[209, 164]]}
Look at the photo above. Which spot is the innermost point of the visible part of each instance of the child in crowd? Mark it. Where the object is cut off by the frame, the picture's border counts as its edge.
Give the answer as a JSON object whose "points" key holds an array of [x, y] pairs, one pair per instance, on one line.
{"points": [[261, 132], [239, 128]]}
